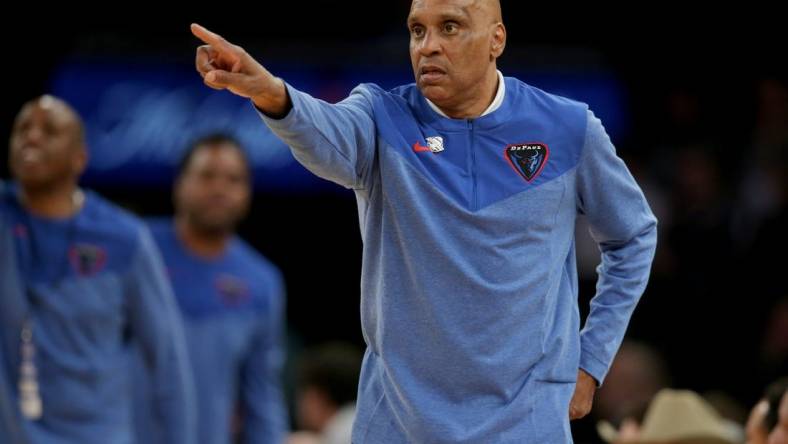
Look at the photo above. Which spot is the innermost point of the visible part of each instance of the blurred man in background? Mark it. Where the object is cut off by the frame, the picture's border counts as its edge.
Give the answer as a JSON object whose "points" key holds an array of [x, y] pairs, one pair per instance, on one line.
{"points": [[80, 277], [638, 373], [326, 394], [231, 299], [675, 417]]}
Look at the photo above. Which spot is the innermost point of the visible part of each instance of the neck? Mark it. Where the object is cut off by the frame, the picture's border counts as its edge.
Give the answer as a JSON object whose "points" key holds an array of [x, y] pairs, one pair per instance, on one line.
{"points": [[201, 242], [52, 202], [479, 99]]}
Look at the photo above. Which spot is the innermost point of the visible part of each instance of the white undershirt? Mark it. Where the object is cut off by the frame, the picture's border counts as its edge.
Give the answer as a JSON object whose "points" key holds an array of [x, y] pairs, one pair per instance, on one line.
{"points": [[496, 103]]}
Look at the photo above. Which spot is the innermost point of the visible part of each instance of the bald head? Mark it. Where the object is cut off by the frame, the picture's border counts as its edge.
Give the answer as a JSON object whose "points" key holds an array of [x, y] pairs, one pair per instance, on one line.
{"points": [[61, 114], [490, 9], [47, 145], [486, 9]]}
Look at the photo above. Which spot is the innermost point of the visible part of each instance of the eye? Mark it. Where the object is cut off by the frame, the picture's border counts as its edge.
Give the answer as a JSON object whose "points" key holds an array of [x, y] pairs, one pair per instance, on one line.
{"points": [[450, 27], [417, 31], [236, 179], [206, 174]]}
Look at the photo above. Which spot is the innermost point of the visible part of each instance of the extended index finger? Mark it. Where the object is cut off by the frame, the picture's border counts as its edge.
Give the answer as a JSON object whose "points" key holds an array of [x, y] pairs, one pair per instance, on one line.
{"points": [[210, 38]]}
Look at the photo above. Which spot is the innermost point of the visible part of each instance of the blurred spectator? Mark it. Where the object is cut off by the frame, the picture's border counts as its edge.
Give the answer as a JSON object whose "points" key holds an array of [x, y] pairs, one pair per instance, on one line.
{"points": [[761, 193], [675, 417], [703, 294], [326, 394], [765, 271], [637, 374]]}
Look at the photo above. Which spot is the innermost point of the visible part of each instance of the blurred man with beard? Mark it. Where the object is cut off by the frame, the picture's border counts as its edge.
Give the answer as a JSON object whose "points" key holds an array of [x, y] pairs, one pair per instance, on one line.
{"points": [[231, 298]]}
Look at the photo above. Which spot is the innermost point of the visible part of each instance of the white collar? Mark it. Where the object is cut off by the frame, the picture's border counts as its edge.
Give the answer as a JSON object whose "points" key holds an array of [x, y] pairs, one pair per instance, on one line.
{"points": [[496, 103]]}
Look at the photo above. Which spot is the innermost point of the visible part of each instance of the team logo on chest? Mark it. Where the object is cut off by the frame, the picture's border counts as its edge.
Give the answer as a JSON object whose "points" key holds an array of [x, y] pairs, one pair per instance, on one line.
{"points": [[232, 290], [527, 159], [87, 259]]}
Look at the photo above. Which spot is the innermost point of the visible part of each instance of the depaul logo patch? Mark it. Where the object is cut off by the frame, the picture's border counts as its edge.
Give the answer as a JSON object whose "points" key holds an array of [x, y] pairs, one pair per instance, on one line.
{"points": [[87, 259], [527, 159], [232, 290]]}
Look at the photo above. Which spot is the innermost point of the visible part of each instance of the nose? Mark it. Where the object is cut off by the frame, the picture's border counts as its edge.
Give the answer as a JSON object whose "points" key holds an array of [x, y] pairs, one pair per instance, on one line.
{"points": [[430, 44], [33, 134], [219, 186]]}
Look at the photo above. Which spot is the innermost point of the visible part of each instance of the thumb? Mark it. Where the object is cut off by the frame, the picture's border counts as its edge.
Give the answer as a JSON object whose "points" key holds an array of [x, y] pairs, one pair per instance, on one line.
{"points": [[223, 79]]}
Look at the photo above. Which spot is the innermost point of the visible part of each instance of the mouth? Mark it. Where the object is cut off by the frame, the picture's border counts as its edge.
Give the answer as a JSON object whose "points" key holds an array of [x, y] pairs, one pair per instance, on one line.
{"points": [[30, 154], [431, 74], [218, 203]]}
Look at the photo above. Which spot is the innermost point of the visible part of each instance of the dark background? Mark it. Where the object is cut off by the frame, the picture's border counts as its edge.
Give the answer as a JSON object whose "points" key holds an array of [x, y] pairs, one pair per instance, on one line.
{"points": [[706, 135]]}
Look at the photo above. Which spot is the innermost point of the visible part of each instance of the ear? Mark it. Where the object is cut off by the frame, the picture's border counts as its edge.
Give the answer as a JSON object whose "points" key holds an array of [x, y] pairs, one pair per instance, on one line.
{"points": [[498, 41], [79, 161]]}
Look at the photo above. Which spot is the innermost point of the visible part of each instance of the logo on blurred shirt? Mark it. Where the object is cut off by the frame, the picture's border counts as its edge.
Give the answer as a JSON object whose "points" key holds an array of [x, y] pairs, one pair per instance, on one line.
{"points": [[232, 290], [527, 159], [86, 259], [20, 231]]}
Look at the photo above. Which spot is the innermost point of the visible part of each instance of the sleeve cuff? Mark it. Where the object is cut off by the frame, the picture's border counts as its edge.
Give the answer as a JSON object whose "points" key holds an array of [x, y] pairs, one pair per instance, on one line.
{"points": [[282, 122], [593, 367]]}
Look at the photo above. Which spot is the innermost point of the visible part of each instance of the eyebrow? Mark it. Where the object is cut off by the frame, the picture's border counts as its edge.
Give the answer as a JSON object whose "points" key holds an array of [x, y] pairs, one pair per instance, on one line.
{"points": [[447, 16]]}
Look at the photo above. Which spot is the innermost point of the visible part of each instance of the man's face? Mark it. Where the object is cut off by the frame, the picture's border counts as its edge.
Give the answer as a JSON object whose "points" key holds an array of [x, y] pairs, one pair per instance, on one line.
{"points": [[214, 190], [315, 408], [46, 147], [453, 44]]}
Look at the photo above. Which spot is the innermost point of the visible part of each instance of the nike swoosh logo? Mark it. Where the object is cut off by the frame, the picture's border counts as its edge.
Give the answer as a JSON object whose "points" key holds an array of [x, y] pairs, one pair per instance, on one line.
{"points": [[419, 148]]}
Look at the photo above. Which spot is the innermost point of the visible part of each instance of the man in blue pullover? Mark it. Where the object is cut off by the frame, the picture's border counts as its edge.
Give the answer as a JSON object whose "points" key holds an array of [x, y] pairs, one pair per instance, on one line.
{"points": [[230, 297], [468, 186], [78, 276]]}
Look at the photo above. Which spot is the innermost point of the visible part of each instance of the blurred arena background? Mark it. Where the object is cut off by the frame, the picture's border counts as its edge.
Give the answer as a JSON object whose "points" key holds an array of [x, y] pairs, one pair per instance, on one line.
{"points": [[696, 103]]}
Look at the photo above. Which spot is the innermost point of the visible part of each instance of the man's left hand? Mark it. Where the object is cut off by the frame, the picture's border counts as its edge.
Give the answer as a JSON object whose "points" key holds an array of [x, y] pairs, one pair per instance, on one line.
{"points": [[583, 398]]}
